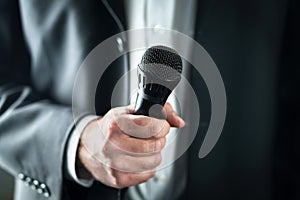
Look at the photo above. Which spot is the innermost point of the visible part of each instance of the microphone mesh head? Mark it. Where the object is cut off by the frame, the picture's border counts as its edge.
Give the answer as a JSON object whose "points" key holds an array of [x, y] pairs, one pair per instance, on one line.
{"points": [[158, 56]]}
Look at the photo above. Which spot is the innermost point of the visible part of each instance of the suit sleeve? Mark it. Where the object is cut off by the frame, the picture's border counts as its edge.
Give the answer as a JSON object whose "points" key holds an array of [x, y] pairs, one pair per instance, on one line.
{"points": [[33, 128]]}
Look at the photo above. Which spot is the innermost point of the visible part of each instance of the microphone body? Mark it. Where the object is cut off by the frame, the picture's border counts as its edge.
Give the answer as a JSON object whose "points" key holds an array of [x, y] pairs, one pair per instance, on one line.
{"points": [[158, 74]]}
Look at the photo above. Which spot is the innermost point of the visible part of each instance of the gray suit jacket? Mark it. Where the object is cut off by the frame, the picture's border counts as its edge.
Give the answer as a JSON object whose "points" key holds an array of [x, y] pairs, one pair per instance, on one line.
{"points": [[42, 46]]}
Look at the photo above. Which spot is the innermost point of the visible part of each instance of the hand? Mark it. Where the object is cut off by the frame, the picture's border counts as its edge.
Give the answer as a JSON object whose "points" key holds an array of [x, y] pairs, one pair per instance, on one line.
{"points": [[121, 149]]}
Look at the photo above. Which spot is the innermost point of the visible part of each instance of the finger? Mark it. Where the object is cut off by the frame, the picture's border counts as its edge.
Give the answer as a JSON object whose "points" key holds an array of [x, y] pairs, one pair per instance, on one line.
{"points": [[140, 126], [123, 144], [172, 117], [125, 163], [160, 127], [129, 179]]}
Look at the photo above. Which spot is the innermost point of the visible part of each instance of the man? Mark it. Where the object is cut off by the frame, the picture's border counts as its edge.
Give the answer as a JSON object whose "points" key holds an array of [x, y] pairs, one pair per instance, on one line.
{"points": [[42, 47]]}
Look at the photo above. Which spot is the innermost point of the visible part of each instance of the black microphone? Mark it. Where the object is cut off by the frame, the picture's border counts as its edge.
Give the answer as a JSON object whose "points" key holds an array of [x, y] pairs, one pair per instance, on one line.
{"points": [[158, 74]]}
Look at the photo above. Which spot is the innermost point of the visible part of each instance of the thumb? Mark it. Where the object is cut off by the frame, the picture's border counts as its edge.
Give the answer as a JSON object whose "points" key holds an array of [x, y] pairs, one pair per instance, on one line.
{"points": [[173, 119]]}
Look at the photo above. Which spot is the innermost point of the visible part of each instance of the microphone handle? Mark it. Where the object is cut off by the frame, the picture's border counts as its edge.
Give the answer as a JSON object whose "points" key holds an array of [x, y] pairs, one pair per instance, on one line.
{"points": [[150, 106], [142, 106]]}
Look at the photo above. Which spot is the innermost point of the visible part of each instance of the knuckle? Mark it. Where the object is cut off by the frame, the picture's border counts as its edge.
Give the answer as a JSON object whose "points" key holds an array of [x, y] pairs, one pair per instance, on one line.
{"points": [[157, 145], [161, 128], [105, 149], [150, 146], [144, 165], [167, 126], [163, 142], [113, 126], [157, 159], [110, 112], [168, 104], [144, 148]]}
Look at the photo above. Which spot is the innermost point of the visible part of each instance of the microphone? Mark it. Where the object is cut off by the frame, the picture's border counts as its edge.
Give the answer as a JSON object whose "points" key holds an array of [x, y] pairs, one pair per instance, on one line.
{"points": [[158, 74]]}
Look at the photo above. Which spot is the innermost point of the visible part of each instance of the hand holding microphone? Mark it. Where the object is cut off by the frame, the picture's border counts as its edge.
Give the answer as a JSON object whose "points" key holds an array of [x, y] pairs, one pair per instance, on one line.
{"points": [[123, 148]]}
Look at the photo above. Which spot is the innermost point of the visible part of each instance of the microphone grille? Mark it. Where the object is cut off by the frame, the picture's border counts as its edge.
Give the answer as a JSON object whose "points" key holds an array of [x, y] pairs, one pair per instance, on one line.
{"points": [[162, 55]]}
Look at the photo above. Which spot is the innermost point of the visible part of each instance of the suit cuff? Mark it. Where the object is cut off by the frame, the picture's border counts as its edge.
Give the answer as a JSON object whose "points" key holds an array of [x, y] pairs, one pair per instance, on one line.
{"points": [[72, 150]]}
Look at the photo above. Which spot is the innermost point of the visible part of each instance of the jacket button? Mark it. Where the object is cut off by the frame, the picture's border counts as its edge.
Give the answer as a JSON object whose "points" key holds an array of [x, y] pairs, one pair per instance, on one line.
{"points": [[44, 190], [36, 183], [28, 181], [21, 176], [33, 187], [46, 194], [39, 190], [43, 186]]}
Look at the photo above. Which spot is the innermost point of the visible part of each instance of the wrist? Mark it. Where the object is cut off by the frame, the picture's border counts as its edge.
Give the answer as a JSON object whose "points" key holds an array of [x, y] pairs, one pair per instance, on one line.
{"points": [[81, 170]]}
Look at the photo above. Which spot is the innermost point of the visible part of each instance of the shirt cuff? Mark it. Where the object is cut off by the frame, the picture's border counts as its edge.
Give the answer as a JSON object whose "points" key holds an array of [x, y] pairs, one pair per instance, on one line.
{"points": [[72, 150]]}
